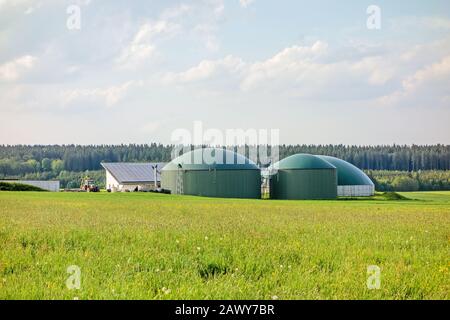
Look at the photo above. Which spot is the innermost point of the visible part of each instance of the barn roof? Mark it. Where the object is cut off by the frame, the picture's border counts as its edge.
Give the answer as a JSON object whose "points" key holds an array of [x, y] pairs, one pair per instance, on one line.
{"points": [[131, 172]]}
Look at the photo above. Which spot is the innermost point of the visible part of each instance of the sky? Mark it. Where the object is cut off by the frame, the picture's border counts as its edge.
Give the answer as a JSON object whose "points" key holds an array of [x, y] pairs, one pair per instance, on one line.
{"points": [[320, 72]]}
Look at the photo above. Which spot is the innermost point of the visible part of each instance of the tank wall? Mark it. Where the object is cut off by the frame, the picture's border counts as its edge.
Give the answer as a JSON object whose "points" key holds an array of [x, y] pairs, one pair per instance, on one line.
{"points": [[356, 191], [304, 184], [216, 183], [168, 180]]}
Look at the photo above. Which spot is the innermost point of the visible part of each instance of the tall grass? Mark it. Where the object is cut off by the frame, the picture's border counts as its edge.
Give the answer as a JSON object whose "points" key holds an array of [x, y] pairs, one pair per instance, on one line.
{"points": [[152, 246]]}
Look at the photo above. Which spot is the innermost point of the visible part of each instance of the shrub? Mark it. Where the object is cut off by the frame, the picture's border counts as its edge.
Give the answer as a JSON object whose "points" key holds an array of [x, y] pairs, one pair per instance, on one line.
{"points": [[405, 184], [14, 186]]}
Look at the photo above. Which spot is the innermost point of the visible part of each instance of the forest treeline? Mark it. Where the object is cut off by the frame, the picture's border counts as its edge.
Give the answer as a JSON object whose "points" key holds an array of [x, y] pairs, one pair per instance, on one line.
{"points": [[20, 159], [393, 167], [422, 180]]}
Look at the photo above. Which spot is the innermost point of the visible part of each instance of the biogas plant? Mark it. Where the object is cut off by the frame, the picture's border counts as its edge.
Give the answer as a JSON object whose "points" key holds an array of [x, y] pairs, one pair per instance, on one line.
{"points": [[227, 174]]}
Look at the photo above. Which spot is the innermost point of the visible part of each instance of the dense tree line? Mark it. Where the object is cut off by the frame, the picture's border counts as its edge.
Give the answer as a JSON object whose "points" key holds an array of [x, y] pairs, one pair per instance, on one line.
{"points": [[22, 159], [395, 157], [19, 159], [429, 180], [390, 167]]}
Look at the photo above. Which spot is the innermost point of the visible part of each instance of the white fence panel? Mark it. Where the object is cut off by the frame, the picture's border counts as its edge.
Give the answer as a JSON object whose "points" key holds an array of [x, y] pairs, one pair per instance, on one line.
{"points": [[356, 191]]}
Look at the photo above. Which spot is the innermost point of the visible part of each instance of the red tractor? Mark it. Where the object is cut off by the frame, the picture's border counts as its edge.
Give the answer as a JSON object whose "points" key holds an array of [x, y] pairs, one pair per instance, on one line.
{"points": [[88, 185]]}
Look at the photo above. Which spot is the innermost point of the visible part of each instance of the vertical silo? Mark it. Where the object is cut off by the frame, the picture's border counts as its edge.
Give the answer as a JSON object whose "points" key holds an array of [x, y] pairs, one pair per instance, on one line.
{"points": [[303, 176], [212, 172]]}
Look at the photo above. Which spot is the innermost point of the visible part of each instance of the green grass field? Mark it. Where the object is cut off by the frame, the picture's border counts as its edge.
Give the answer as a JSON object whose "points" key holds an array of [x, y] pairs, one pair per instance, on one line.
{"points": [[151, 246]]}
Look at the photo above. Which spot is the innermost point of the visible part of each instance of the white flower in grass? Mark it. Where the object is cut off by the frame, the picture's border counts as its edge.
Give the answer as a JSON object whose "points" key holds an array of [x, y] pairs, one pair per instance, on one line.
{"points": [[206, 238], [198, 248], [165, 290], [75, 298], [274, 297]]}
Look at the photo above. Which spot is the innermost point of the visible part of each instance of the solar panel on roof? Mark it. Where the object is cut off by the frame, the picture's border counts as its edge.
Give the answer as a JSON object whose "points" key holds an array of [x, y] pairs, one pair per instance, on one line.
{"points": [[133, 172]]}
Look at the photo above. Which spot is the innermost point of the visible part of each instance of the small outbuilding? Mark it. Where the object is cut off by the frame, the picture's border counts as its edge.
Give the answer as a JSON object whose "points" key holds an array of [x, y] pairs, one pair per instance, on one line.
{"points": [[303, 176], [212, 172], [352, 182], [127, 176]]}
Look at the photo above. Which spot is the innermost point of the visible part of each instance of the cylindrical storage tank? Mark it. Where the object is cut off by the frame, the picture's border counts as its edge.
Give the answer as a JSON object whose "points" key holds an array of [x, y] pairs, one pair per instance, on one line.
{"points": [[212, 172], [352, 182], [303, 176]]}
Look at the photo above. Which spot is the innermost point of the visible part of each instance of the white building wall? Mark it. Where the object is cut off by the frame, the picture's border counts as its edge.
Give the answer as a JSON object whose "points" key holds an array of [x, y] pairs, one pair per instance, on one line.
{"points": [[111, 182], [356, 191], [46, 185], [140, 187], [114, 185]]}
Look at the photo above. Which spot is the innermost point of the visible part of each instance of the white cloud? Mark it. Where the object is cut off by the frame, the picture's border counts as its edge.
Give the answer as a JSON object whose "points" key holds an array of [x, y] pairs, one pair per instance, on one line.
{"points": [[206, 27], [108, 96], [14, 3], [294, 62], [250, 74], [207, 32], [12, 70], [315, 72], [142, 47], [427, 87], [219, 9], [245, 3], [378, 70], [437, 22], [437, 72], [206, 69], [175, 12], [199, 20]]}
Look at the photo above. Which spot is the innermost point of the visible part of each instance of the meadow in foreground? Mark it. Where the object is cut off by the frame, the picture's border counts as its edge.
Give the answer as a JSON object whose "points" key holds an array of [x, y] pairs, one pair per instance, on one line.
{"points": [[151, 246]]}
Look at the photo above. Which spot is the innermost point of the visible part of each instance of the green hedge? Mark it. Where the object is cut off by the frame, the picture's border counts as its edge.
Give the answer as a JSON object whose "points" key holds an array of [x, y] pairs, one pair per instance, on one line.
{"points": [[14, 186]]}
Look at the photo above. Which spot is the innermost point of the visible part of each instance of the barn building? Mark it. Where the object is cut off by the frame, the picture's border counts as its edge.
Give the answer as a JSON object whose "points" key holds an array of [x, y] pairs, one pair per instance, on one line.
{"points": [[124, 176], [212, 173]]}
